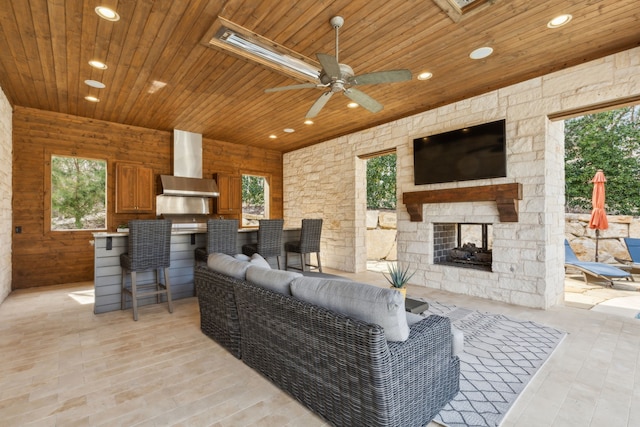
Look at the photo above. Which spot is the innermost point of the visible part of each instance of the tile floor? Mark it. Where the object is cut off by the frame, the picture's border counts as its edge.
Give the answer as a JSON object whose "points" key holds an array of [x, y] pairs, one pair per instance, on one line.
{"points": [[61, 365]]}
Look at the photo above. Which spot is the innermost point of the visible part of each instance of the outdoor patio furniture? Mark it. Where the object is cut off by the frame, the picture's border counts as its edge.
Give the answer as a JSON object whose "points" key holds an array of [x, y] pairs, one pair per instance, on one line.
{"points": [[598, 270], [222, 235], [309, 243], [269, 240], [149, 248], [633, 247]]}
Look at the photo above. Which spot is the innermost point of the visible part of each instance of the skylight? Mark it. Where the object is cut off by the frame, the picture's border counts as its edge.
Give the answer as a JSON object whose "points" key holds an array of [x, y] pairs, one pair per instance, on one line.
{"points": [[457, 9], [240, 41]]}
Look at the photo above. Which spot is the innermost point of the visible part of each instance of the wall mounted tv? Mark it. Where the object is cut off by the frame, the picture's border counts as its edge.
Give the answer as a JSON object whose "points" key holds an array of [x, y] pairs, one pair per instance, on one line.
{"points": [[476, 152]]}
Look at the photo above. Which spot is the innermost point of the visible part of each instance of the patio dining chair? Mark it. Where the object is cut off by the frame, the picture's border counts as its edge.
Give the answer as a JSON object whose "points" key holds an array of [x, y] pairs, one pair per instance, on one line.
{"points": [[222, 235], [269, 242], [309, 243]]}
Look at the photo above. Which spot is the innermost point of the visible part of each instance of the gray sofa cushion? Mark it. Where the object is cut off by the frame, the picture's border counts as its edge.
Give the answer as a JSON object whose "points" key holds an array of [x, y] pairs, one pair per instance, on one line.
{"points": [[241, 257], [257, 260], [274, 280], [372, 304], [226, 264]]}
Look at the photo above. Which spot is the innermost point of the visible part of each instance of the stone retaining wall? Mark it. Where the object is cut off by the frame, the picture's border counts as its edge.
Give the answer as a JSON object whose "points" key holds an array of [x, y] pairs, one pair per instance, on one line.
{"points": [[610, 243], [381, 235]]}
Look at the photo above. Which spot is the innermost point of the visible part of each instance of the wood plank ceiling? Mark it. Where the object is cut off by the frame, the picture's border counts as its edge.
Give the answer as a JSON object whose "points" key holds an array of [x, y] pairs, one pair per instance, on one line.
{"points": [[45, 47]]}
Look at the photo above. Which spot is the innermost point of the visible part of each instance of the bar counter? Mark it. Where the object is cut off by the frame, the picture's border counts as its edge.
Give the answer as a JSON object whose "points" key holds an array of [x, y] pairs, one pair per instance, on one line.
{"points": [[108, 275]]}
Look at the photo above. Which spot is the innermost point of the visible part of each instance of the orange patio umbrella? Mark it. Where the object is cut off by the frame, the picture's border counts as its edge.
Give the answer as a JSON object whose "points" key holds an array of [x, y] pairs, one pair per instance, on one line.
{"points": [[598, 215]]}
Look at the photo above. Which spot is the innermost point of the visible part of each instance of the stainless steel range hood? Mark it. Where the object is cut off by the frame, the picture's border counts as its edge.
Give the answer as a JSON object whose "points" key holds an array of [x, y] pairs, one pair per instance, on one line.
{"points": [[187, 169], [186, 192], [184, 186]]}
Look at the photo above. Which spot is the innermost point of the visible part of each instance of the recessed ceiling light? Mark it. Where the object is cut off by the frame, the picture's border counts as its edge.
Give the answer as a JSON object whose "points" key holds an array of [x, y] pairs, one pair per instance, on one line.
{"points": [[308, 122], [156, 85], [272, 136], [353, 105], [559, 21], [481, 52], [95, 83], [289, 130], [107, 13], [97, 64], [91, 98], [425, 75]]}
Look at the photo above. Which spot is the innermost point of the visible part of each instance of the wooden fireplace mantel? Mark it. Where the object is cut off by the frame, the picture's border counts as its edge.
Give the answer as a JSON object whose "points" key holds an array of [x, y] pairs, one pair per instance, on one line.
{"points": [[506, 197]]}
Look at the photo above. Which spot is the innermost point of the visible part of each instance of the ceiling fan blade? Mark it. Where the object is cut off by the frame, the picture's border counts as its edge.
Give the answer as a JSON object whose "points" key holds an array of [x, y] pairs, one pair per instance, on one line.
{"points": [[390, 76], [329, 65], [364, 100], [317, 106], [300, 86]]}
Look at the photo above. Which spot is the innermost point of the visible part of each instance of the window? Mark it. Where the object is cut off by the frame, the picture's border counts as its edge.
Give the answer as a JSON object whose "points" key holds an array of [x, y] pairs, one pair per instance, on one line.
{"points": [[78, 193], [255, 199]]}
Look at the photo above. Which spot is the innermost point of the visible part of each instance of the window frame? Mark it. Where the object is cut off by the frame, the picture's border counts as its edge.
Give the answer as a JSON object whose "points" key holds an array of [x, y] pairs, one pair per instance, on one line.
{"points": [[47, 186], [267, 195]]}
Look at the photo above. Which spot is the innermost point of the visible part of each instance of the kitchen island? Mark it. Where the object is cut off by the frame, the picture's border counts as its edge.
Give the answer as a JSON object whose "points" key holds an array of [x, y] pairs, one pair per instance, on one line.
{"points": [[108, 275]]}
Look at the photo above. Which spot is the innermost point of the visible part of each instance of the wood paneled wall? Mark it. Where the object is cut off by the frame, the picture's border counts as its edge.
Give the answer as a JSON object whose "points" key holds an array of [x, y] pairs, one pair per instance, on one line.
{"points": [[41, 257]]}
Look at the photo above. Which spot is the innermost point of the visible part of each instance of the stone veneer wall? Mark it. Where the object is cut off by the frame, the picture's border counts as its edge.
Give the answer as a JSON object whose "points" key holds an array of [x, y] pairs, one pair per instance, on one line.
{"points": [[6, 114], [328, 180]]}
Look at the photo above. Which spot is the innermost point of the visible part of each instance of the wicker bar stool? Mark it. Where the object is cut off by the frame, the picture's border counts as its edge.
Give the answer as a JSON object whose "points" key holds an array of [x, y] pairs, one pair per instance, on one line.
{"points": [[309, 243], [149, 249], [269, 240], [222, 236]]}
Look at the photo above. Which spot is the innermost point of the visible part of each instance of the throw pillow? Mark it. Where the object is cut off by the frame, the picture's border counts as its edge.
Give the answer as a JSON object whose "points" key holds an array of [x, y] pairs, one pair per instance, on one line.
{"points": [[241, 257], [226, 264], [258, 261], [274, 280], [372, 304]]}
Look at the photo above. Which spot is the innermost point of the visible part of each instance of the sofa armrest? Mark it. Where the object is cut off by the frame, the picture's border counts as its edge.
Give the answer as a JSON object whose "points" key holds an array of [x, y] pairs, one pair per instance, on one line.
{"points": [[427, 369], [218, 312]]}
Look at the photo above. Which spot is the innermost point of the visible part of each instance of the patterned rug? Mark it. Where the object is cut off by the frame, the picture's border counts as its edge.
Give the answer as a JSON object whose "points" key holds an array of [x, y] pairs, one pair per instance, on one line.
{"points": [[501, 355]]}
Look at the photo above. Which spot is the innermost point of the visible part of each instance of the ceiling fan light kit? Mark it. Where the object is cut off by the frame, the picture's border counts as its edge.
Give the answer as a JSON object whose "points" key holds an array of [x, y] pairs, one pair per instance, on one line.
{"points": [[337, 77]]}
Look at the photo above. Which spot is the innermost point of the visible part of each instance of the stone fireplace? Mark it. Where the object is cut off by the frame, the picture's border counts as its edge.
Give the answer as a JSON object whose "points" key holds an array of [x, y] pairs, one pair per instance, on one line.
{"points": [[465, 245]]}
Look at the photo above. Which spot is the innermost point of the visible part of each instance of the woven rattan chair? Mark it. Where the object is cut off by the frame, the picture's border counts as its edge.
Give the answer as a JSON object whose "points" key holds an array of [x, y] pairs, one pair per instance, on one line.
{"points": [[222, 236], [149, 249], [269, 240], [309, 243]]}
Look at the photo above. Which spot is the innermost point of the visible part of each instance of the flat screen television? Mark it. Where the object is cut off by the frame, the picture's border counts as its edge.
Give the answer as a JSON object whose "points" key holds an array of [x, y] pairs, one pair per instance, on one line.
{"points": [[476, 152]]}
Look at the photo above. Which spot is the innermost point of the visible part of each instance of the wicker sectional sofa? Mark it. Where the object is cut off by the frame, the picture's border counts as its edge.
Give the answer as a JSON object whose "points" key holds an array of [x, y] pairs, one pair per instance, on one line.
{"points": [[340, 366]]}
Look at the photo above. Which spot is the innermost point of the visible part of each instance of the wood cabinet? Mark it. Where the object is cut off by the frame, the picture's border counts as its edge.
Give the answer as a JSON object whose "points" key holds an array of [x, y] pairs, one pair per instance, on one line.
{"points": [[230, 200], [134, 188]]}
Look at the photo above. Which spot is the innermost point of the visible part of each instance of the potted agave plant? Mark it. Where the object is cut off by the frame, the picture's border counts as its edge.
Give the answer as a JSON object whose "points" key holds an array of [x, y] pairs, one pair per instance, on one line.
{"points": [[398, 277]]}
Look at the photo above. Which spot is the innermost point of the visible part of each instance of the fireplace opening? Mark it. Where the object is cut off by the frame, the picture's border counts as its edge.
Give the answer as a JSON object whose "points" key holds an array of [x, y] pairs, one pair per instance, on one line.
{"points": [[466, 245]]}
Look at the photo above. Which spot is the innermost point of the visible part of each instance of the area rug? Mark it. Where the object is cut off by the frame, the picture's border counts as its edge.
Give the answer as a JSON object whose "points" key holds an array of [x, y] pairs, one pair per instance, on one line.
{"points": [[501, 355]]}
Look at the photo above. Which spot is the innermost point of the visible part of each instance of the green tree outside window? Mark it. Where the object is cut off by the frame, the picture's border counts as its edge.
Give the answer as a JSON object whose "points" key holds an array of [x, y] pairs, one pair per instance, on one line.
{"points": [[609, 141], [78, 193], [381, 182]]}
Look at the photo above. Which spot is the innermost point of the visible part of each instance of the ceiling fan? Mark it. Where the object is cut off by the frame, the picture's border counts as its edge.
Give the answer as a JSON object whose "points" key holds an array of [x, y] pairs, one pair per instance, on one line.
{"points": [[340, 78]]}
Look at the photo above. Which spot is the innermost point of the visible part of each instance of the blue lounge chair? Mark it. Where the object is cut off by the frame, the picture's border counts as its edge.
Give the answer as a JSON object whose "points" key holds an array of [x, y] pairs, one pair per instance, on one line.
{"points": [[599, 270], [633, 247]]}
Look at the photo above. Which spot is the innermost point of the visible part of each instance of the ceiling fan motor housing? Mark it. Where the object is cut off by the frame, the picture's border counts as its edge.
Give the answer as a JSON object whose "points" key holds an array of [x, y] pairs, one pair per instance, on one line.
{"points": [[346, 72]]}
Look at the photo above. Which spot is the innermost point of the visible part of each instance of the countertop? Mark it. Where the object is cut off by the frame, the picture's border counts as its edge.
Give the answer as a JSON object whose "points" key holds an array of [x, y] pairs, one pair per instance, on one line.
{"points": [[194, 230]]}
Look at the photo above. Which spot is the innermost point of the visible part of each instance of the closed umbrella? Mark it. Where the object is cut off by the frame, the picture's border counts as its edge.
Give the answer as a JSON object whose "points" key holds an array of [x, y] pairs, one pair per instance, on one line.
{"points": [[598, 215]]}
